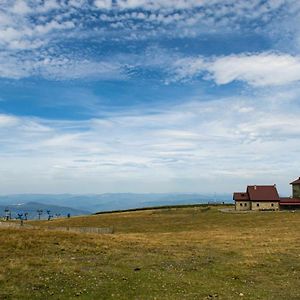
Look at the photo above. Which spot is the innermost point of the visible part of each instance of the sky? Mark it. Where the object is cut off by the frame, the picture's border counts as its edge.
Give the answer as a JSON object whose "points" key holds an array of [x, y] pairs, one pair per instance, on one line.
{"points": [[148, 96]]}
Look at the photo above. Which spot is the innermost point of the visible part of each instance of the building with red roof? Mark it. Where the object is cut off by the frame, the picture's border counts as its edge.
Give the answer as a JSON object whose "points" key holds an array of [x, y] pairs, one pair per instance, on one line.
{"points": [[266, 197], [296, 188]]}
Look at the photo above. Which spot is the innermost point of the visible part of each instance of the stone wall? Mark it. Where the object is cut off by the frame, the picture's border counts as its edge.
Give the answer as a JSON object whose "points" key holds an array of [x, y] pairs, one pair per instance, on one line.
{"points": [[264, 205], [242, 205]]}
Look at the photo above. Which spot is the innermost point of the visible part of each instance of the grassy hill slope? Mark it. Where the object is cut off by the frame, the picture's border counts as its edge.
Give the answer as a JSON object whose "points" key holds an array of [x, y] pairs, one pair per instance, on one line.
{"points": [[182, 253]]}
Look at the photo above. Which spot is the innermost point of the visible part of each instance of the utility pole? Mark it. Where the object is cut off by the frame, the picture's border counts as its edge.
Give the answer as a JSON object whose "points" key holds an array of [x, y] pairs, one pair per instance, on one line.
{"points": [[40, 212], [49, 215], [20, 217]]}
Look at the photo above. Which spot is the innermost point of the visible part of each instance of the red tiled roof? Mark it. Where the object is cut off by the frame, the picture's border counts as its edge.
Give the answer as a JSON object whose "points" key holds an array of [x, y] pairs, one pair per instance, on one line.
{"points": [[297, 181], [290, 201], [240, 196], [262, 193]]}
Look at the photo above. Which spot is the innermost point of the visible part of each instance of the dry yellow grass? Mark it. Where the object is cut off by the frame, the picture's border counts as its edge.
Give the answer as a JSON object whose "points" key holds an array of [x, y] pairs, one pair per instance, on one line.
{"points": [[184, 253]]}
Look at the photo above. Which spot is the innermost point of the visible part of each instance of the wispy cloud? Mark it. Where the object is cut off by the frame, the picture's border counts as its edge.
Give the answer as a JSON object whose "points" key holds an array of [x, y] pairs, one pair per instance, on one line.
{"points": [[33, 33], [186, 141], [255, 69], [59, 67], [241, 137]]}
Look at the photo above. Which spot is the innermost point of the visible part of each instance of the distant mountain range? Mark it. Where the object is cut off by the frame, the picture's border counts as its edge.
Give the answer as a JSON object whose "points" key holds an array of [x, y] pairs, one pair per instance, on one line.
{"points": [[110, 201], [31, 209]]}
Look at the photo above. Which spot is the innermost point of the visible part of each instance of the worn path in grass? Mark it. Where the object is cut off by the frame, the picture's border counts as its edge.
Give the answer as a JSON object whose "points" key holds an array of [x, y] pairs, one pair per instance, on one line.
{"points": [[183, 253]]}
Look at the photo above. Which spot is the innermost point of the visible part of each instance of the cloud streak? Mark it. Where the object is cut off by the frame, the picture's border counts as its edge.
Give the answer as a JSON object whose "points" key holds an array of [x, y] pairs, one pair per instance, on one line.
{"points": [[185, 142]]}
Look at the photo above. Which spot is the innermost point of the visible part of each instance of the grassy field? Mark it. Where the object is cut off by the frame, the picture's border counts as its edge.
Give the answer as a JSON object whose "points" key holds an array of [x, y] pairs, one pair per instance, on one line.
{"points": [[183, 253]]}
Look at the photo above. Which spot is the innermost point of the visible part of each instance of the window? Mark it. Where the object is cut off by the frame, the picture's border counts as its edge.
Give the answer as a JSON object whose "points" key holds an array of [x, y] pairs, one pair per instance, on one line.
{"points": [[241, 204], [257, 204], [272, 204], [245, 204]]}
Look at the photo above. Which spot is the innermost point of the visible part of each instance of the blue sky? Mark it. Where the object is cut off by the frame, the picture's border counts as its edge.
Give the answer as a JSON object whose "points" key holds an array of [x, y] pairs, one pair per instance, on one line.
{"points": [[148, 96]]}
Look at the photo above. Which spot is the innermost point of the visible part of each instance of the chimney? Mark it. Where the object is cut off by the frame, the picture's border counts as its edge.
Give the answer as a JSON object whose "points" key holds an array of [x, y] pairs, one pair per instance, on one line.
{"points": [[255, 187]]}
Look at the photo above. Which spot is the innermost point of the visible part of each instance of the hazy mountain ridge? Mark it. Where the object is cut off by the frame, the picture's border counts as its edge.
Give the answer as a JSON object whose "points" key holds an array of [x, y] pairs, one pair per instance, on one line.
{"points": [[112, 201]]}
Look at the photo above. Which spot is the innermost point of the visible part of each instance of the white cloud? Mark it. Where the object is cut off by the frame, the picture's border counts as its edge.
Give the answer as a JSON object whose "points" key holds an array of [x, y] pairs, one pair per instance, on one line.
{"points": [[103, 4], [9, 33], [263, 69], [224, 5], [189, 143], [49, 5], [59, 68], [192, 143], [187, 68], [5, 19], [20, 7], [188, 16], [7, 120], [258, 69], [72, 69], [11, 67], [25, 27], [53, 25]]}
